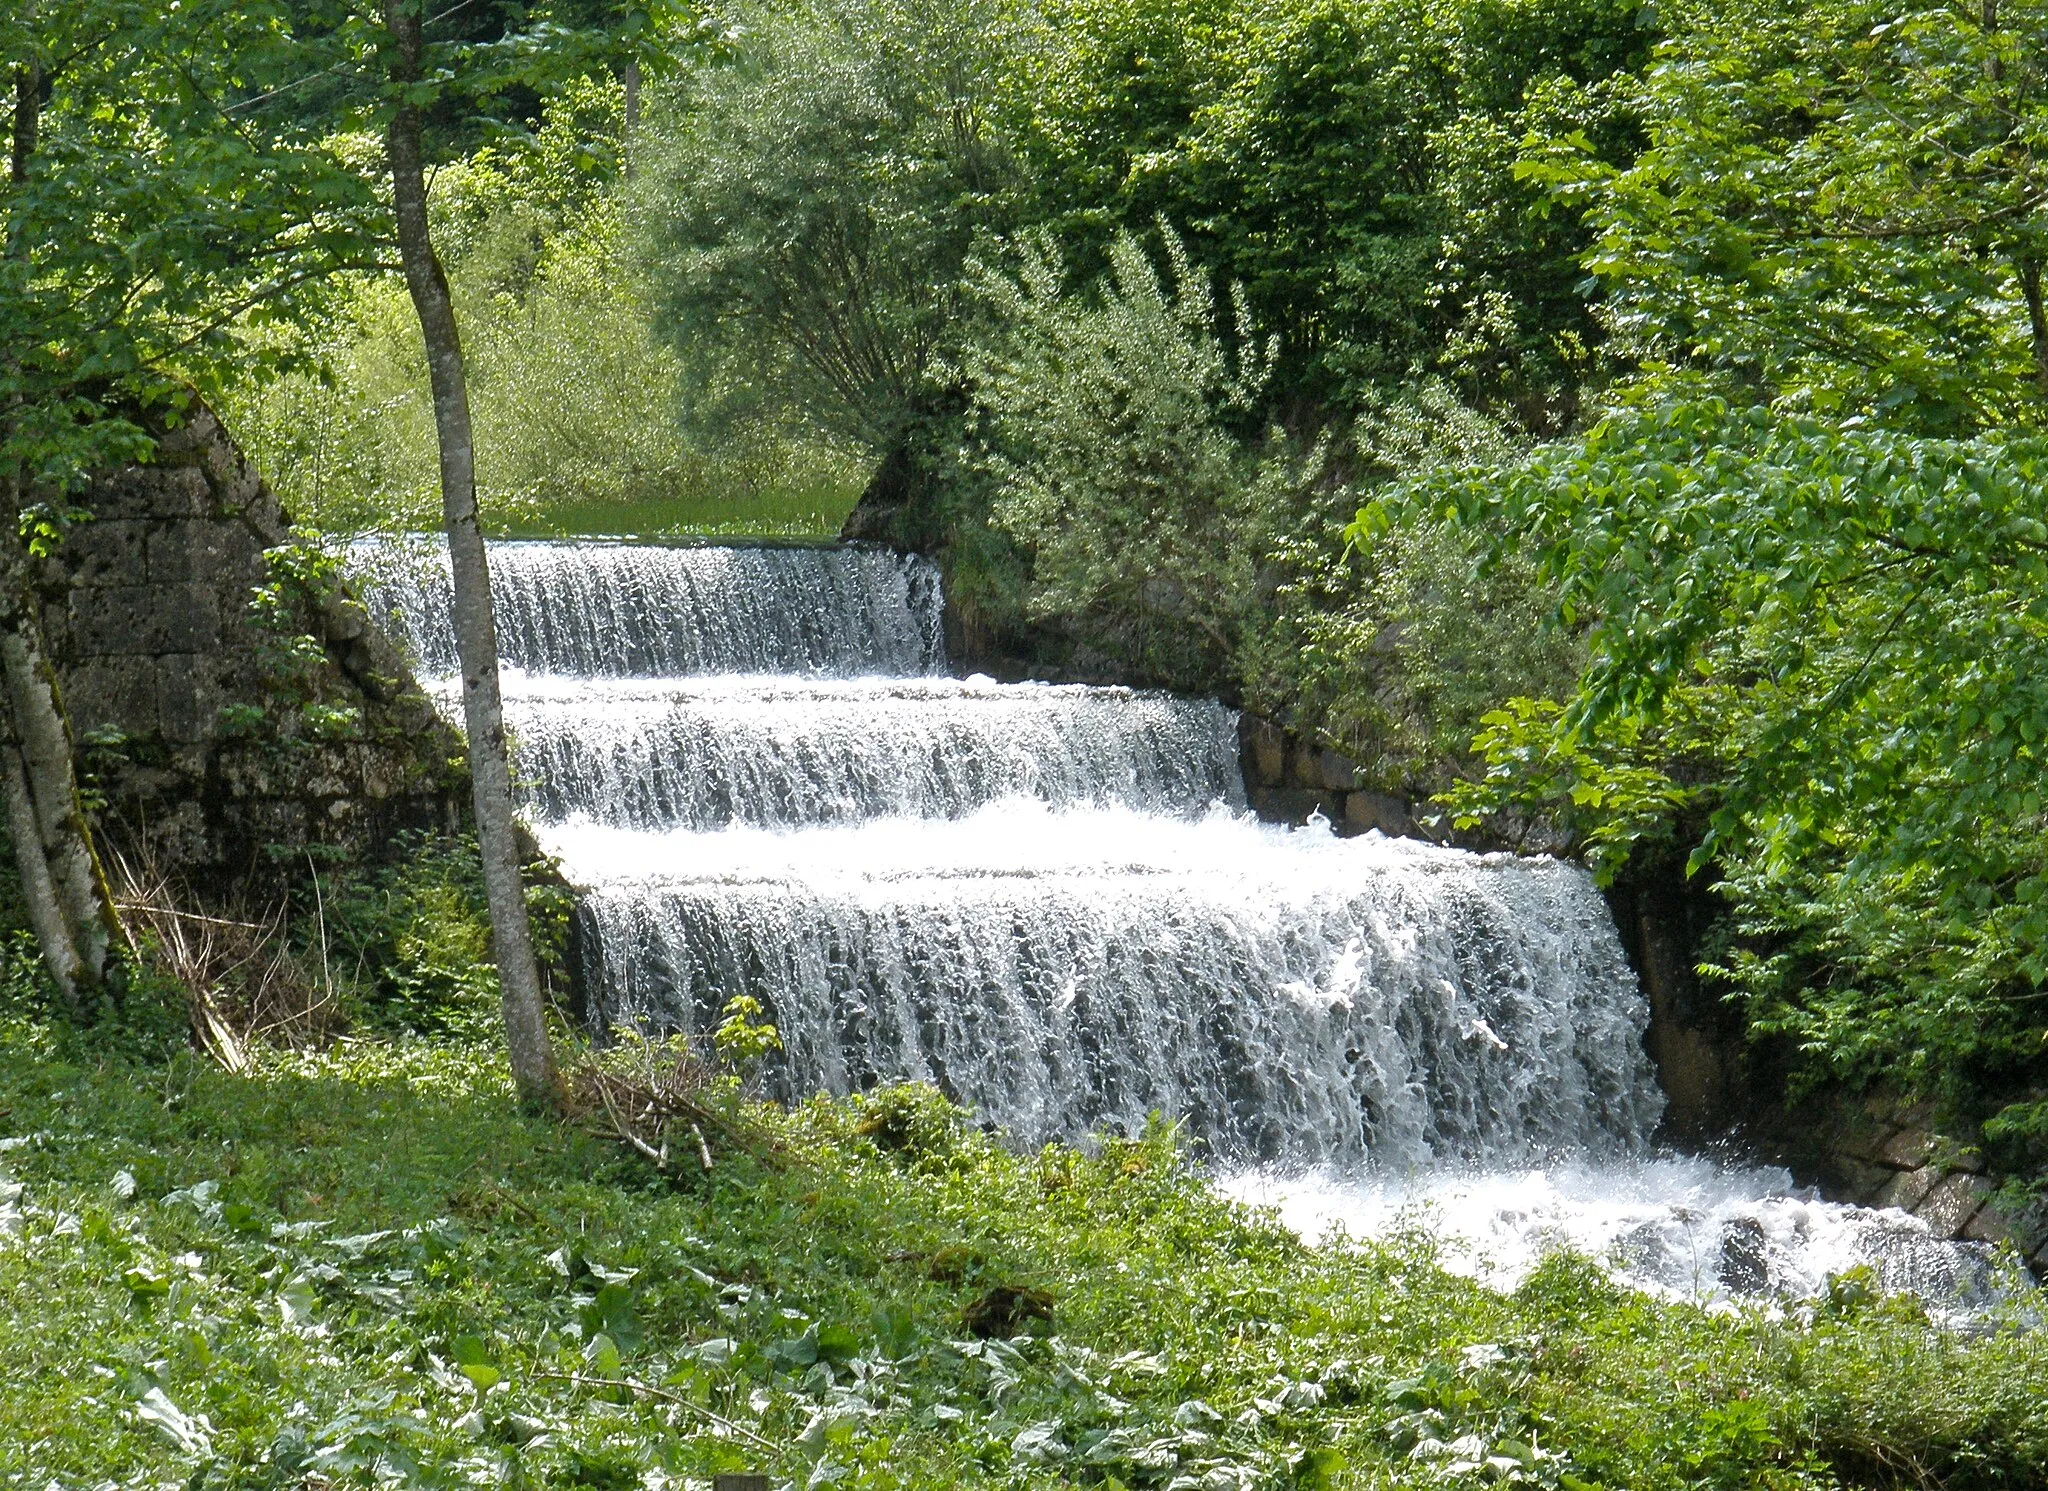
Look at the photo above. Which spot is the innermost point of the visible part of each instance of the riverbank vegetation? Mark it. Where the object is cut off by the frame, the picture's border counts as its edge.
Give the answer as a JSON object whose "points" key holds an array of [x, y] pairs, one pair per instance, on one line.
{"points": [[359, 1266]]}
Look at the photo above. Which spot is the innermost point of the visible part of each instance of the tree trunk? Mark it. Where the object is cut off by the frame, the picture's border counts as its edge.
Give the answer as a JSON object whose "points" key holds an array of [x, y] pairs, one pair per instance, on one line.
{"points": [[28, 111], [39, 749], [69, 904], [476, 632], [629, 75], [2037, 320], [45, 915]]}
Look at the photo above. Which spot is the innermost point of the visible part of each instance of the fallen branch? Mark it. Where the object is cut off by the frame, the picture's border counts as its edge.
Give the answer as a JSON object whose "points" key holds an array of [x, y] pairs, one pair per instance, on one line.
{"points": [[189, 916], [703, 1149], [646, 1390]]}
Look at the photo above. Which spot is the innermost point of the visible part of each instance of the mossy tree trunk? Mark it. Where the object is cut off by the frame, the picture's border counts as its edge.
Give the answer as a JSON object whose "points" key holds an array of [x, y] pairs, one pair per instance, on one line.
{"points": [[69, 905]]}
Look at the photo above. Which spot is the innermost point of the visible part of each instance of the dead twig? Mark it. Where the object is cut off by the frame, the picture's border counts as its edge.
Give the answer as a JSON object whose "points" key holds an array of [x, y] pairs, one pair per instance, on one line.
{"points": [[662, 1394]]}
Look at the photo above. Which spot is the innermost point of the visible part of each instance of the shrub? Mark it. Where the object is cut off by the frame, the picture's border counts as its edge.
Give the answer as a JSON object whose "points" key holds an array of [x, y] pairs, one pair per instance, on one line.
{"points": [[1111, 419]]}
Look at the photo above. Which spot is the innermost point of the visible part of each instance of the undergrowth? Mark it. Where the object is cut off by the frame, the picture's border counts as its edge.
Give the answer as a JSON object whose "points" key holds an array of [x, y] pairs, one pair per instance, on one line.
{"points": [[361, 1266]]}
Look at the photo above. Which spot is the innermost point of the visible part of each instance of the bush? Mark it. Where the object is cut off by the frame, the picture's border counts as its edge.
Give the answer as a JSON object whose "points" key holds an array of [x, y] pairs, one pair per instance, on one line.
{"points": [[1108, 418], [1394, 645], [1830, 643]]}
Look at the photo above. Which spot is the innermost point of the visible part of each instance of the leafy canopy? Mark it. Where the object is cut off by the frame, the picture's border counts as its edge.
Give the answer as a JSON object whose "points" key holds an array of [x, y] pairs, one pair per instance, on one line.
{"points": [[1843, 208], [1834, 643], [151, 218]]}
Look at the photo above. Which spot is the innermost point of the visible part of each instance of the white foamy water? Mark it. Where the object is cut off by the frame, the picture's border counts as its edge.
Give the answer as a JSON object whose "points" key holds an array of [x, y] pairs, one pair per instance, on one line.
{"points": [[1049, 902], [704, 753], [647, 610], [1284, 992], [1681, 1227]]}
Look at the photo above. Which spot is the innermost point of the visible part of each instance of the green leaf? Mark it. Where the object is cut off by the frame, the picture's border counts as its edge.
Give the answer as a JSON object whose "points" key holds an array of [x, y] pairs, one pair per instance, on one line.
{"points": [[472, 1360], [610, 1312]]}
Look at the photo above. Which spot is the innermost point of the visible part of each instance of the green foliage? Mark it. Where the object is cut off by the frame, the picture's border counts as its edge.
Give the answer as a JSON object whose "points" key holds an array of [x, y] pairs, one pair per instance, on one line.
{"points": [[1834, 643], [1108, 421], [1395, 643], [1350, 162], [742, 1038], [812, 204], [577, 407], [1839, 208], [364, 1266], [911, 1119], [1181, 553], [826, 181], [147, 231], [408, 942]]}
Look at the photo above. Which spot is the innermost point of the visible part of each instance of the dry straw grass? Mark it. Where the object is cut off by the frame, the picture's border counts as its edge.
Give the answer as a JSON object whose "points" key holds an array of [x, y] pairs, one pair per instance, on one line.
{"points": [[243, 984]]}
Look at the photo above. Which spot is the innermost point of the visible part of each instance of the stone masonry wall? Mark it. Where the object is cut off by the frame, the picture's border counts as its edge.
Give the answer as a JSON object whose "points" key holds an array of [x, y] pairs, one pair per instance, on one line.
{"points": [[1288, 779], [222, 744]]}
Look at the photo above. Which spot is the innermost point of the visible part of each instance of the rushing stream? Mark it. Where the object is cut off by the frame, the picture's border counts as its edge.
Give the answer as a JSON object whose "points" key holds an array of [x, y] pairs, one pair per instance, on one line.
{"points": [[1050, 902]]}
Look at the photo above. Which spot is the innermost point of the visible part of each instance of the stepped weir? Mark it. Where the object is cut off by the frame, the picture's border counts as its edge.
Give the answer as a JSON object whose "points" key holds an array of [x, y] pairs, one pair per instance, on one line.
{"points": [[1048, 901]]}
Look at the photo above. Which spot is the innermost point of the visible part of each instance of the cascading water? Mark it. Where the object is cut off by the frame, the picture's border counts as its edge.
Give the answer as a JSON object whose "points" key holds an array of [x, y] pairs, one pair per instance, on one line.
{"points": [[1046, 900]]}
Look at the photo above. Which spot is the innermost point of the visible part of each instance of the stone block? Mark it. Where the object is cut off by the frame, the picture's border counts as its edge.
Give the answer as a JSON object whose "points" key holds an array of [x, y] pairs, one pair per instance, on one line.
{"points": [[1858, 1180], [1953, 1202], [126, 620], [1988, 1227], [116, 693], [2026, 1225], [1340, 772], [220, 554], [1861, 1139], [343, 619], [1368, 810], [1305, 766], [1908, 1149], [325, 776], [1265, 753], [151, 492], [1291, 804], [1908, 1188], [108, 551], [1918, 1116], [190, 697]]}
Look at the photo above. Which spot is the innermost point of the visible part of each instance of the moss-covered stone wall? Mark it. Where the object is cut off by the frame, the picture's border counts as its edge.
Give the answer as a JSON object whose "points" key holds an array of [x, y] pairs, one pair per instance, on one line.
{"points": [[233, 707]]}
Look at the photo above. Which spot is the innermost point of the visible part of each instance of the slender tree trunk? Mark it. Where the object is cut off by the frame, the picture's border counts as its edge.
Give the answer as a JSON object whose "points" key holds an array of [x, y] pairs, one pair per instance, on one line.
{"points": [[39, 748], [630, 76], [28, 113], [45, 915], [476, 633], [2037, 319]]}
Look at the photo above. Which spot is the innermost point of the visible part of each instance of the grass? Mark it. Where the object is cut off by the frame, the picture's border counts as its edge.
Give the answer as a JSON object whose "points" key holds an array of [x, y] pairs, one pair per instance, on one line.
{"points": [[816, 510], [362, 1267]]}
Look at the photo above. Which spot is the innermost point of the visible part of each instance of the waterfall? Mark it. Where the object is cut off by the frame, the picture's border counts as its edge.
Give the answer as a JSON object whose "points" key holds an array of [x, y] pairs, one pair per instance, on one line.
{"points": [[701, 754], [1287, 996], [1050, 902], [642, 611]]}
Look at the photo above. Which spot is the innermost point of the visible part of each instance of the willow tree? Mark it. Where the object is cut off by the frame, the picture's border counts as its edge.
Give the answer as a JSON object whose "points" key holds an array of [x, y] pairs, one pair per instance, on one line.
{"points": [[143, 222]]}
